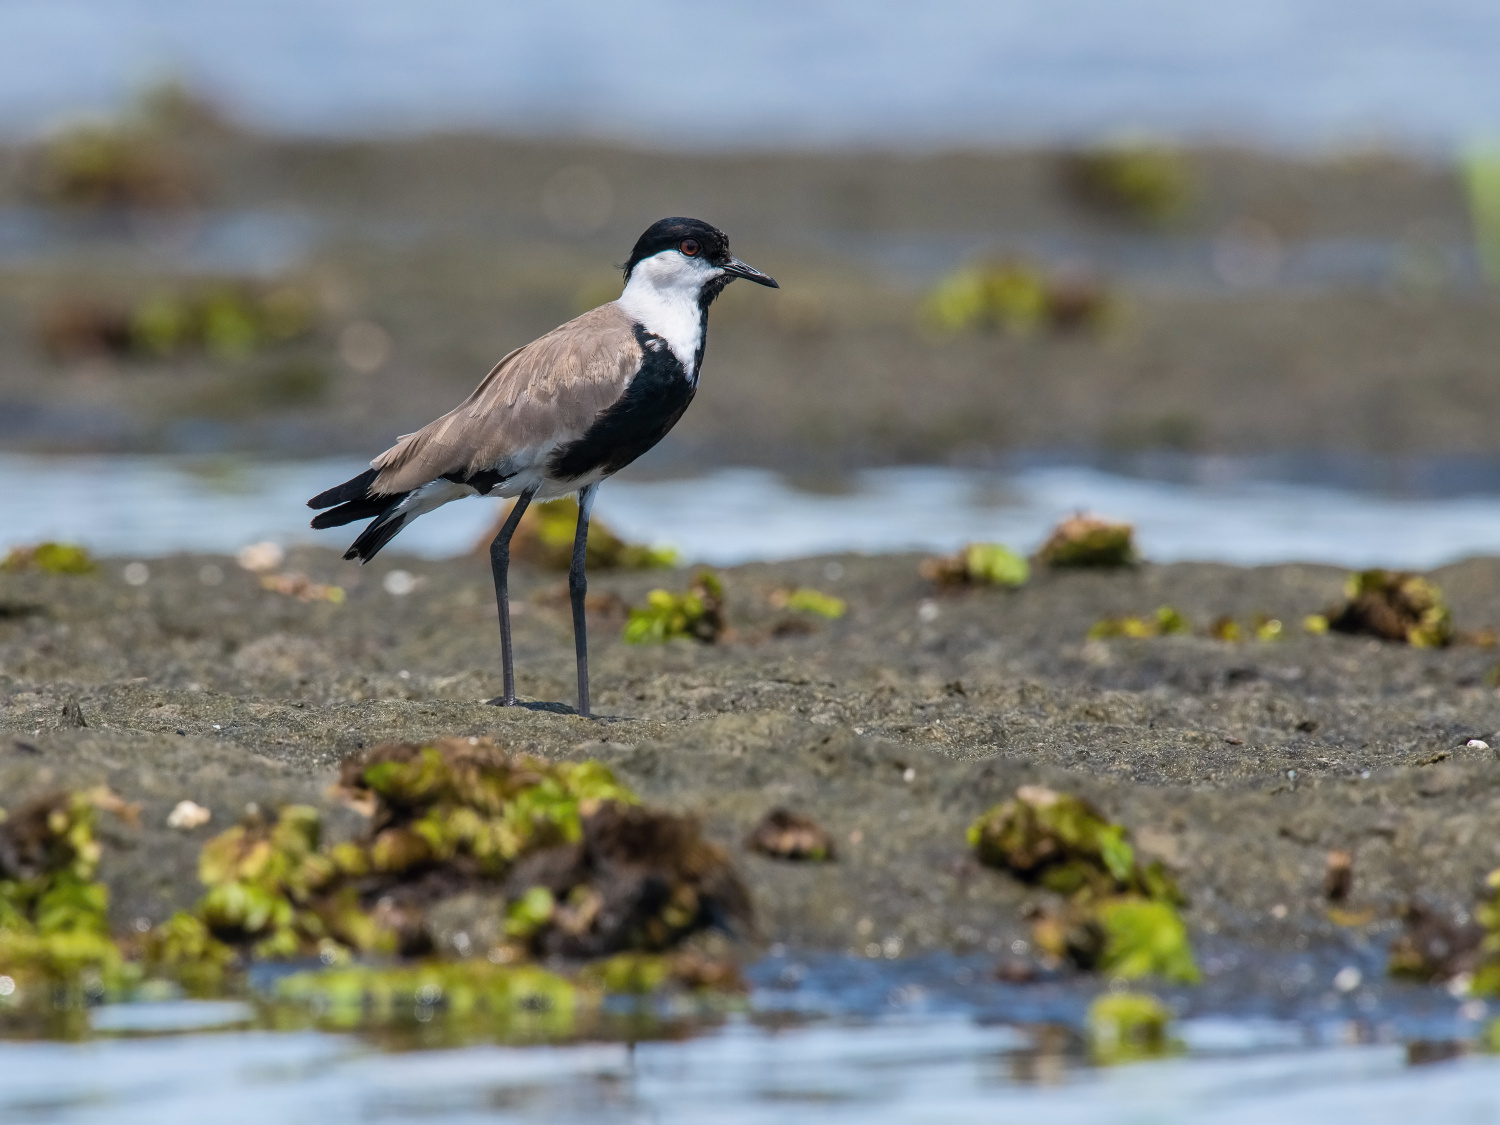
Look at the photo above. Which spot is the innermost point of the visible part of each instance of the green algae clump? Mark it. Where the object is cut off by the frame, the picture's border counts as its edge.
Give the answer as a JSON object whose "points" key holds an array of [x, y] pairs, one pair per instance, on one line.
{"points": [[520, 998], [558, 859], [273, 893], [695, 615], [783, 834], [1165, 622], [1121, 916], [467, 802], [642, 974], [184, 949], [54, 927], [1394, 606], [582, 869], [1486, 980], [1136, 180], [1144, 938], [1129, 1027], [979, 564], [544, 538], [804, 599], [1084, 540], [1017, 298], [54, 558], [559, 855], [1057, 840]]}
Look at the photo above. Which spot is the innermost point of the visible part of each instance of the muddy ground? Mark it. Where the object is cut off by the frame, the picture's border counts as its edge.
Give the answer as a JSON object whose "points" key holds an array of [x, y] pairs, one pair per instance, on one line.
{"points": [[451, 245], [1242, 765]]}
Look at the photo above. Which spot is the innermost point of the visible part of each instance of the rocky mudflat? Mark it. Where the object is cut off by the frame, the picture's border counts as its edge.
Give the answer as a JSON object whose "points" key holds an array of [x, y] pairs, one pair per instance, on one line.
{"points": [[1241, 765]]}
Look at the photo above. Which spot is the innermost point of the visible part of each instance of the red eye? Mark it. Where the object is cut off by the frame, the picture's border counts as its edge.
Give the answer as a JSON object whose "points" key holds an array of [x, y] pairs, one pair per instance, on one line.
{"points": [[689, 247]]}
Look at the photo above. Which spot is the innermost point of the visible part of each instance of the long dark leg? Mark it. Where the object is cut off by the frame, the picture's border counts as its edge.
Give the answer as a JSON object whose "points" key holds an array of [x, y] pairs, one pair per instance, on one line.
{"points": [[578, 588], [500, 568]]}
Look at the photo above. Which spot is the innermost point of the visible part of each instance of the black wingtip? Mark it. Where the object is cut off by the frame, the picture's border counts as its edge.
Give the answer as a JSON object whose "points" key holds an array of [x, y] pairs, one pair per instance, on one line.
{"points": [[356, 488], [361, 509]]}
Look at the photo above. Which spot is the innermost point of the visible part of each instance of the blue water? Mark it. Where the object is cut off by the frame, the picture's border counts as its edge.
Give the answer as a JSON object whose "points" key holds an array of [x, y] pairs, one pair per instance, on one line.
{"points": [[824, 1039], [887, 1073], [1215, 509], [1301, 72]]}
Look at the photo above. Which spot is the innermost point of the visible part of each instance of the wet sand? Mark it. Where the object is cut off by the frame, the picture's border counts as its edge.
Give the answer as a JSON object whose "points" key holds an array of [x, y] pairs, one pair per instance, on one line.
{"points": [[1241, 765]]}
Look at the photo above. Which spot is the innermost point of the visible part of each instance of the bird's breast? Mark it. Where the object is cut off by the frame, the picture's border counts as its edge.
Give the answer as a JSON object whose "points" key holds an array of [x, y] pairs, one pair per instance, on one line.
{"points": [[653, 401]]}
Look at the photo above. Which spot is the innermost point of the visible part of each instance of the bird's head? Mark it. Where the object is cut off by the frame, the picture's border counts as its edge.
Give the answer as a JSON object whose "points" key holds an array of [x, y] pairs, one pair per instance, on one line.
{"points": [[688, 255]]}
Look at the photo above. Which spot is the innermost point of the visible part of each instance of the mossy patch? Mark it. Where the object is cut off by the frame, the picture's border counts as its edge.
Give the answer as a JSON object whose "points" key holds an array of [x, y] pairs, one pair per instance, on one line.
{"points": [[1165, 622], [804, 599], [979, 564], [1120, 915], [1138, 181], [55, 942], [111, 164], [545, 535], [783, 834], [521, 1001], [53, 558], [1261, 627], [1434, 949], [1129, 1027], [1090, 541], [567, 860], [1394, 606], [1016, 297], [697, 614]]}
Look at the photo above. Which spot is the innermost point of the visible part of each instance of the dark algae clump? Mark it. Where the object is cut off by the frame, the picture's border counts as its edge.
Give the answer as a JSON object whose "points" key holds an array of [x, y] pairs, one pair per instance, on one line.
{"points": [[544, 538], [1129, 1027], [54, 928], [1119, 915], [561, 856], [1090, 541], [783, 834], [1394, 606], [978, 564], [695, 615]]}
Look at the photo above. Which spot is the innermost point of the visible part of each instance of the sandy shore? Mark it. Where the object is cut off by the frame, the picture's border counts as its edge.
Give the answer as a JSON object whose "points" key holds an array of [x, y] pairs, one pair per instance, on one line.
{"points": [[1241, 765]]}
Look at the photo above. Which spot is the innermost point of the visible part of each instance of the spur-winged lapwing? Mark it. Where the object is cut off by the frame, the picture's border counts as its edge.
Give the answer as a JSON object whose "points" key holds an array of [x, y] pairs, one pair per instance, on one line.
{"points": [[558, 416]]}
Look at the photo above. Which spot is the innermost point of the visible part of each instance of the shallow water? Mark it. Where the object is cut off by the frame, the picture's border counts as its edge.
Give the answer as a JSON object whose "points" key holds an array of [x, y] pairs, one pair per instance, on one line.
{"points": [[265, 242], [1214, 509], [828, 1038], [1304, 71]]}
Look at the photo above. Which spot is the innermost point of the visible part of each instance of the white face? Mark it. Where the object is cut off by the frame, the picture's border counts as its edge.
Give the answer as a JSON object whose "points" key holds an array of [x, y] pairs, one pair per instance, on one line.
{"points": [[672, 270], [662, 295]]}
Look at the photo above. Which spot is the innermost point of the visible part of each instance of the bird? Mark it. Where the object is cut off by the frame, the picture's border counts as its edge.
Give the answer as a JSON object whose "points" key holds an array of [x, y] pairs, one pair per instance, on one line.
{"points": [[560, 415]]}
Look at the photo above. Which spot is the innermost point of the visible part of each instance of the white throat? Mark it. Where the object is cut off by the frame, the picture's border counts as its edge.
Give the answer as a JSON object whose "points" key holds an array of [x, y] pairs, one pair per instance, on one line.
{"points": [[662, 296]]}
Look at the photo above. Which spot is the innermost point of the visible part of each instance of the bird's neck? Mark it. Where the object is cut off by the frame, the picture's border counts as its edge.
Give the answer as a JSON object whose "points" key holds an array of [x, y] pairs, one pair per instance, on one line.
{"points": [[673, 309]]}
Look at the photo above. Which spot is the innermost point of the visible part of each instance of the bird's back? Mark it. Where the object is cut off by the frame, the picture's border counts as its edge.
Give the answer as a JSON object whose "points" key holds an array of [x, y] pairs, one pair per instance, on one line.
{"points": [[538, 398]]}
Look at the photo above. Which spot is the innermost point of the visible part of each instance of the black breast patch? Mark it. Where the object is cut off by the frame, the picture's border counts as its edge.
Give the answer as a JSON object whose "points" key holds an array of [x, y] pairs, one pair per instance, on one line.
{"points": [[650, 406]]}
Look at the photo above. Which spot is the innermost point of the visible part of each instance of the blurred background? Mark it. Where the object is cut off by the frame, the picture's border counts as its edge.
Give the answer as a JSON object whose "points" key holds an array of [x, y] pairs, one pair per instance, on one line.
{"points": [[1034, 255]]}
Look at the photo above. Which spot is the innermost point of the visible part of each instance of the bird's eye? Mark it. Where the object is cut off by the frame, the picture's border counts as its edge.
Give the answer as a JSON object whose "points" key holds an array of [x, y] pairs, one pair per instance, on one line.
{"points": [[689, 247]]}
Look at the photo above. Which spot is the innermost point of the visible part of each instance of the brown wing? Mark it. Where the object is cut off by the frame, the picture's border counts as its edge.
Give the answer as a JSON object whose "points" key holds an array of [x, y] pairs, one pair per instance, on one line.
{"points": [[548, 392]]}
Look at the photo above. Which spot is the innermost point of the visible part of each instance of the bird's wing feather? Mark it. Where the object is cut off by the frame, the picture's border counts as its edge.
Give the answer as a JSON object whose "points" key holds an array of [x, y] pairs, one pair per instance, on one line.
{"points": [[545, 394]]}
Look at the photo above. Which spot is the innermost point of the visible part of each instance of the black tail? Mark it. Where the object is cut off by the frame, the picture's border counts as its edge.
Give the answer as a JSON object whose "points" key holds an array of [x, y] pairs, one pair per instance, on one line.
{"points": [[354, 502], [377, 534]]}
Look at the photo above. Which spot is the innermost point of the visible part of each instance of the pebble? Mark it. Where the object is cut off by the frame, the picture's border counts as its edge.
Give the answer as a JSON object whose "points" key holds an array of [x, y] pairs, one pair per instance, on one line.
{"points": [[188, 815]]}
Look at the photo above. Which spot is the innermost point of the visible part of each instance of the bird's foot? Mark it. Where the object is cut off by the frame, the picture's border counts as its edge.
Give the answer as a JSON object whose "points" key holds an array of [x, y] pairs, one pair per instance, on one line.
{"points": [[504, 701]]}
